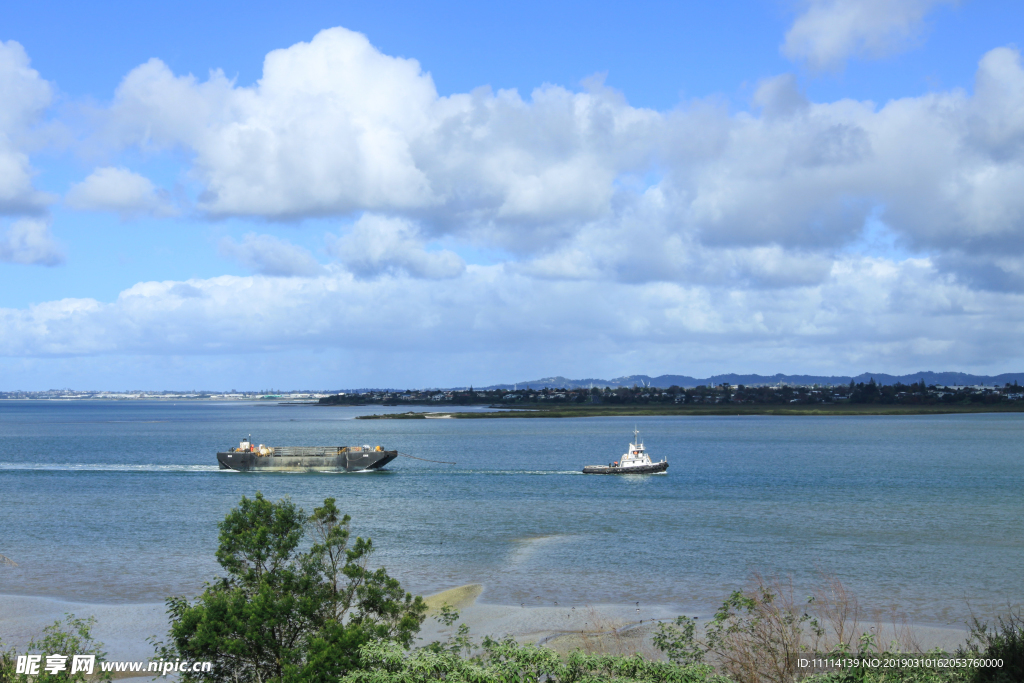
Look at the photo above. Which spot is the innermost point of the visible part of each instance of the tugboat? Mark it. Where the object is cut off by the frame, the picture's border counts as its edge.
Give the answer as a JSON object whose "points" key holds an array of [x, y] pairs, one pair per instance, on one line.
{"points": [[634, 461], [249, 457]]}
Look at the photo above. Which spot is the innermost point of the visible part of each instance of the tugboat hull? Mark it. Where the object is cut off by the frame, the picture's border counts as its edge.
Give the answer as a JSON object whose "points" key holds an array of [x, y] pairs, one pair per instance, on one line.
{"points": [[348, 461], [653, 468]]}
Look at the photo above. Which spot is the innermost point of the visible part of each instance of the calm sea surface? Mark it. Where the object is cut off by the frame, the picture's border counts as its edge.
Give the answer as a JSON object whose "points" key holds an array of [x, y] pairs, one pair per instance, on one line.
{"points": [[119, 502]]}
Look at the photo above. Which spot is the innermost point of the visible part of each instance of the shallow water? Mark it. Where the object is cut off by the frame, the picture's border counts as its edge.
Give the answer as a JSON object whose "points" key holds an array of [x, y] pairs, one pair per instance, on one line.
{"points": [[119, 502]]}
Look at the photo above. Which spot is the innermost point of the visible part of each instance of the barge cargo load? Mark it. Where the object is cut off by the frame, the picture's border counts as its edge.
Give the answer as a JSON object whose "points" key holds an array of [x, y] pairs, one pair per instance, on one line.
{"points": [[249, 457]]}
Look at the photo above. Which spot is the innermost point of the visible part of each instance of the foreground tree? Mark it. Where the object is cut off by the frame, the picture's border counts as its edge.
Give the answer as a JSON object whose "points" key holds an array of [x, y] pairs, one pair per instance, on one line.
{"points": [[286, 614]]}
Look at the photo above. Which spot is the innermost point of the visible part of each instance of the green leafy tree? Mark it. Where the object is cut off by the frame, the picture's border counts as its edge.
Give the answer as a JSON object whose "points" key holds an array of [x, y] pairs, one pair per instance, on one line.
{"points": [[678, 641], [285, 614], [66, 638]]}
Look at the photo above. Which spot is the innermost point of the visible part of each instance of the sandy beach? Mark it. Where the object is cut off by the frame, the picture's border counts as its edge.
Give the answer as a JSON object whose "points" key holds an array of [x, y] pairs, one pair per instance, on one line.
{"points": [[619, 629], [124, 629]]}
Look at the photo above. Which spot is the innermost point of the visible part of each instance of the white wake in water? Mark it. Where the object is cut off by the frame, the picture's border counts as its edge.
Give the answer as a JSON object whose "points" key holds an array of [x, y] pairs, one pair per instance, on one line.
{"points": [[115, 467], [501, 472], [104, 467]]}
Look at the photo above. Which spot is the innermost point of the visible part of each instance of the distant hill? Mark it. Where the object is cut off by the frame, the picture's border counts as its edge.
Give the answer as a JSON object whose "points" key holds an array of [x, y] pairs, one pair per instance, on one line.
{"points": [[665, 381]]}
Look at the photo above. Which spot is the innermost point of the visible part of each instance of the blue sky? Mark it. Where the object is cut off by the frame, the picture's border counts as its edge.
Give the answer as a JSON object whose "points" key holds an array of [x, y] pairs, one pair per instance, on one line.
{"points": [[349, 194]]}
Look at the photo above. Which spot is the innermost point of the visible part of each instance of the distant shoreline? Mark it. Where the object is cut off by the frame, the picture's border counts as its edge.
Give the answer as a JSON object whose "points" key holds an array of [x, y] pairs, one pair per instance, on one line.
{"points": [[703, 410]]}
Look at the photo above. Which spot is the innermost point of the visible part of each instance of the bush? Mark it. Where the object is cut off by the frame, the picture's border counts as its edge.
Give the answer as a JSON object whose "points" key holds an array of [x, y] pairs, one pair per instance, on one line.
{"points": [[285, 615], [1004, 641], [67, 637], [759, 635], [506, 660]]}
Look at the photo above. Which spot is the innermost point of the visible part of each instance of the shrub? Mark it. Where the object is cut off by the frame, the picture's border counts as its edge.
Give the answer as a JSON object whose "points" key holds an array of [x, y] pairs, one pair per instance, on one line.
{"points": [[1003, 641], [506, 660], [285, 615], [67, 637]]}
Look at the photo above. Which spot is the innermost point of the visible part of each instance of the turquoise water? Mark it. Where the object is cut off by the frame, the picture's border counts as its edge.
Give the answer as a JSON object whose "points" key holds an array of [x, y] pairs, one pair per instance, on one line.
{"points": [[119, 502]]}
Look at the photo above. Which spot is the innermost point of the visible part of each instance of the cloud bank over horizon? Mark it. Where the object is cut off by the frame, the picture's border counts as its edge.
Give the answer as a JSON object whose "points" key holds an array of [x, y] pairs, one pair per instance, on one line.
{"points": [[791, 236]]}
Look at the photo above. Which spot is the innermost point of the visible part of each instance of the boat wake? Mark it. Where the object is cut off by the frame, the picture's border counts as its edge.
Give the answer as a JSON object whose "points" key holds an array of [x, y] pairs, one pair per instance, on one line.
{"points": [[103, 467], [508, 472]]}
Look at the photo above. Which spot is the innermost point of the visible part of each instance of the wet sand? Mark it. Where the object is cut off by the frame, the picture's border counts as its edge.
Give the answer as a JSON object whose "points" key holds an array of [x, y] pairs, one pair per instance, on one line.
{"points": [[122, 629]]}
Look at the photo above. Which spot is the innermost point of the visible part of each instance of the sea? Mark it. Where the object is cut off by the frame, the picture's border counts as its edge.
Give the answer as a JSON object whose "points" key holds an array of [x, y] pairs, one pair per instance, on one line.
{"points": [[118, 502]]}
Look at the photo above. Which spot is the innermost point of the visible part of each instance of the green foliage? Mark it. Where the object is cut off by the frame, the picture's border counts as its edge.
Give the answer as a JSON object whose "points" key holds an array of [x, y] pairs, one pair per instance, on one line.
{"points": [[759, 636], [677, 641], [458, 643], [1002, 641], [68, 637], [892, 675], [1005, 641], [506, 660], [286, 615]]}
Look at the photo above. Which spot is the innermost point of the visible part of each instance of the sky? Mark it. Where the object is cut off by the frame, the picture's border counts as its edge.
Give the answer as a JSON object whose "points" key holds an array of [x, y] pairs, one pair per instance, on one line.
{"points": [[335, 194]]}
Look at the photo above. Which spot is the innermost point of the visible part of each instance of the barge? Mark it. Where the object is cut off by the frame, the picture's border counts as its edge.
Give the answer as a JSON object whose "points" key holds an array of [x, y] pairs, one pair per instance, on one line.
{"points": [[249, 457]]}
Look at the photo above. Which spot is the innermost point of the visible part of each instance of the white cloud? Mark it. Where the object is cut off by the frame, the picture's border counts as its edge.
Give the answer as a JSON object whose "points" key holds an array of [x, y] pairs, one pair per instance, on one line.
{"points": [[336, 127], [24, 97], [28, 241], [642, 245], [780, 96], [829, 32], [677, 239], [122, 191], [325, 130], [377, 245], [268, 255], [865, 311]]}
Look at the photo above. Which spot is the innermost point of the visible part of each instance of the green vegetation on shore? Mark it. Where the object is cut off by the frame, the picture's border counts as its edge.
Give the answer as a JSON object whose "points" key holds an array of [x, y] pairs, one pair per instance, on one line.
{"points": [[698, 410], [854, 399]]}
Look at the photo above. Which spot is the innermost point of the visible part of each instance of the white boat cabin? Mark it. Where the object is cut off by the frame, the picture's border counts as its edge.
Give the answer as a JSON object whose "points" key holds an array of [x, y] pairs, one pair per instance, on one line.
{"points": [[636, 456]]}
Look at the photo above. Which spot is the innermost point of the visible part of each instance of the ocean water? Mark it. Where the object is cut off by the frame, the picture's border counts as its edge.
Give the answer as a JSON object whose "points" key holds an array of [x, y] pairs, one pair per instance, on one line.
{"points": [[118, 502]]}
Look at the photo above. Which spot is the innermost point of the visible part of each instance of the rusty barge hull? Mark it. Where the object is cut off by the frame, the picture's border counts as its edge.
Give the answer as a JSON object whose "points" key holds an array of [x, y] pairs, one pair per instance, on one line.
{"points": [[342, 460]]}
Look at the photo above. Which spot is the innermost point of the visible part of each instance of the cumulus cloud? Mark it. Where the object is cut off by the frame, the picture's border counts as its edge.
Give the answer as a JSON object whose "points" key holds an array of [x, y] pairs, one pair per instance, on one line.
{"points": [[325, 130], [268, 255], [335, 127], [25, 97], [780, 96], [29, 241], [122, 191], [641, 245], [829, 32], [378, 244], [696, 233], [865, 311]]}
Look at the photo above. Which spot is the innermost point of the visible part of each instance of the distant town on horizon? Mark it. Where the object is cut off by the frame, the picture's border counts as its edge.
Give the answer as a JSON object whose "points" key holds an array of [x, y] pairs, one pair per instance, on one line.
{"points": [[929, 378]]}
